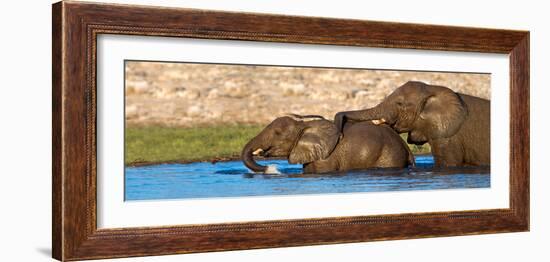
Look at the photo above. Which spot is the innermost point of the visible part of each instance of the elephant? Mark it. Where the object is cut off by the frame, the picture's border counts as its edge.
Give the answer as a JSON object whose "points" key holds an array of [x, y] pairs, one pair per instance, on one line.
{"points": [[455, 125], [319, 146]]}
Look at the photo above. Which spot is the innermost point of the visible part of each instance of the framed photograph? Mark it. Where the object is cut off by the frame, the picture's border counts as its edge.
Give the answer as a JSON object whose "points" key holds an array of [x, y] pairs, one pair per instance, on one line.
{"points": [[181, 130]]}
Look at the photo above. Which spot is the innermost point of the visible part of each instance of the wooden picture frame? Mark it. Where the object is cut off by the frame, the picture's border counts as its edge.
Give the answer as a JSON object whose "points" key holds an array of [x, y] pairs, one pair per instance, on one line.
{"points": [[76, 26]]}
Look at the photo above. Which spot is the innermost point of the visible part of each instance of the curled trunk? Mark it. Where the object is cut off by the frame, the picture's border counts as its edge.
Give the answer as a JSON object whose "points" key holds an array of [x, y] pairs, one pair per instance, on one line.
{"points": [[248, 158]]}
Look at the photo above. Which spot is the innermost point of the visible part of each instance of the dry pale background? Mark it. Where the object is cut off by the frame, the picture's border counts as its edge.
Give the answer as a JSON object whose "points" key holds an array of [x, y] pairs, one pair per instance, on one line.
{"points": [[184, 94], [25, 108]]}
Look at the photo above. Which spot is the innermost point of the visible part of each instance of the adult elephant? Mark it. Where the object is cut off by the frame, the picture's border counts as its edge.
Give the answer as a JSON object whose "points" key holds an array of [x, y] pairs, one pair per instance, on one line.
{"points": [[317, 144], [457, 126]]}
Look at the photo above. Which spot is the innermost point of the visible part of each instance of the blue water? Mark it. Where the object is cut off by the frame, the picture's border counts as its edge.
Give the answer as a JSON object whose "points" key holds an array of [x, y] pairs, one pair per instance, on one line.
{"points": [[233, 179]]}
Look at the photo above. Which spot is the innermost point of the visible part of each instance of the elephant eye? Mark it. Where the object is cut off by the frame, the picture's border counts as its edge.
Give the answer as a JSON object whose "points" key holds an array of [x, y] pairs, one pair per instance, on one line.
{"points": [[399, 103]]}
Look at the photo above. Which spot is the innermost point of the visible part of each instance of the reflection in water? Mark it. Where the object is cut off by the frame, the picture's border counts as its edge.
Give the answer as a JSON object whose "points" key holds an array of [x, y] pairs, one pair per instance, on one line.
{"points": [[233, 179]]}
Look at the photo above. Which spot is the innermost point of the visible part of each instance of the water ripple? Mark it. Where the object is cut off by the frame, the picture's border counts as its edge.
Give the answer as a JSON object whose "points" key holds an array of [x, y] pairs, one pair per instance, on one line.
{"points": [[233, 179]]}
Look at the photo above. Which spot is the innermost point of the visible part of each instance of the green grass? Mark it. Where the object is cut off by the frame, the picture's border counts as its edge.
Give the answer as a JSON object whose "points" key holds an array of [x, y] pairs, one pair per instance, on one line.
{"points": [[423, 149], [166, 144]]}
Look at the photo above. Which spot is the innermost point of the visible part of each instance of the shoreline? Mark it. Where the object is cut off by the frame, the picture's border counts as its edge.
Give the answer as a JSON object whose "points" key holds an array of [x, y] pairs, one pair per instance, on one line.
{"points": [[212, 161]]}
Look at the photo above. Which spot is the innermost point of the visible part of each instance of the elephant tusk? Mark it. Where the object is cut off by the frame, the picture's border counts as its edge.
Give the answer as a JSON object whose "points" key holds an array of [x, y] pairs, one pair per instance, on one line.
{"points": [[379, 121], [257, 152]]}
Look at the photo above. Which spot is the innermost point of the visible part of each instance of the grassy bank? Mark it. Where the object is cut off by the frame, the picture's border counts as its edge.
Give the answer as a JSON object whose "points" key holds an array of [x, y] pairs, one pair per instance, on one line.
{"points": [[168, 144], [165, 144], [423, 149]]}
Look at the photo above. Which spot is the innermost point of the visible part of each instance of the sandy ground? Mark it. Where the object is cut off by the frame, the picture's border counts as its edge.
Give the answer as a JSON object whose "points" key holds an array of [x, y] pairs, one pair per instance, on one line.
{"points": [[179, 94]]}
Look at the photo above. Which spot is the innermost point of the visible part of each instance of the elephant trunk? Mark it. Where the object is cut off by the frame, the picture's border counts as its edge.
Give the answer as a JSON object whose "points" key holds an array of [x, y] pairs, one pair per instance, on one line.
{"points": [[248, 158], [376, 114]]}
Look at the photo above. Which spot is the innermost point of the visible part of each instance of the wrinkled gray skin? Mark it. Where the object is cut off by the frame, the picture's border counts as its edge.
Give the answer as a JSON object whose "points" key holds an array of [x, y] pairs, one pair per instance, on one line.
{"points": [[456, 126], [317, 144]]}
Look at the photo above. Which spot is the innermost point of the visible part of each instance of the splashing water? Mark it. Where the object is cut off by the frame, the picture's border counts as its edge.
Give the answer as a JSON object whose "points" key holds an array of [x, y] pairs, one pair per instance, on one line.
{"points": [[272, 169]]}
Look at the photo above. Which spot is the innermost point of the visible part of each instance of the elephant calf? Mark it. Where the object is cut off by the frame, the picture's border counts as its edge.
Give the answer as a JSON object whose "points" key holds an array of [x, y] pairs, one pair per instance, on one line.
{"points": [[318, 144]]}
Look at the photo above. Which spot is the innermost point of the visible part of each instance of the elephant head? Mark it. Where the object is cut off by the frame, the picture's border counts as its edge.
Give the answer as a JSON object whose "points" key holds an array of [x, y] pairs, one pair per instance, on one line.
{"points": [[425, 111], [302, 139]]}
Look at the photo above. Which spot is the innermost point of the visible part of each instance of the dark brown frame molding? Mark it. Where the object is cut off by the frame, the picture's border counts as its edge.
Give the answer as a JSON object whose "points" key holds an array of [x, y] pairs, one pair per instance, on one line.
{"points": [[76, 26]]}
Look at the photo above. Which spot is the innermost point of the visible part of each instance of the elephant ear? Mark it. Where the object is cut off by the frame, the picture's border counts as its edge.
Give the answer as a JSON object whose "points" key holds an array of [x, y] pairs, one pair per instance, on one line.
{"points": [[442, 113], [317, 142]]}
